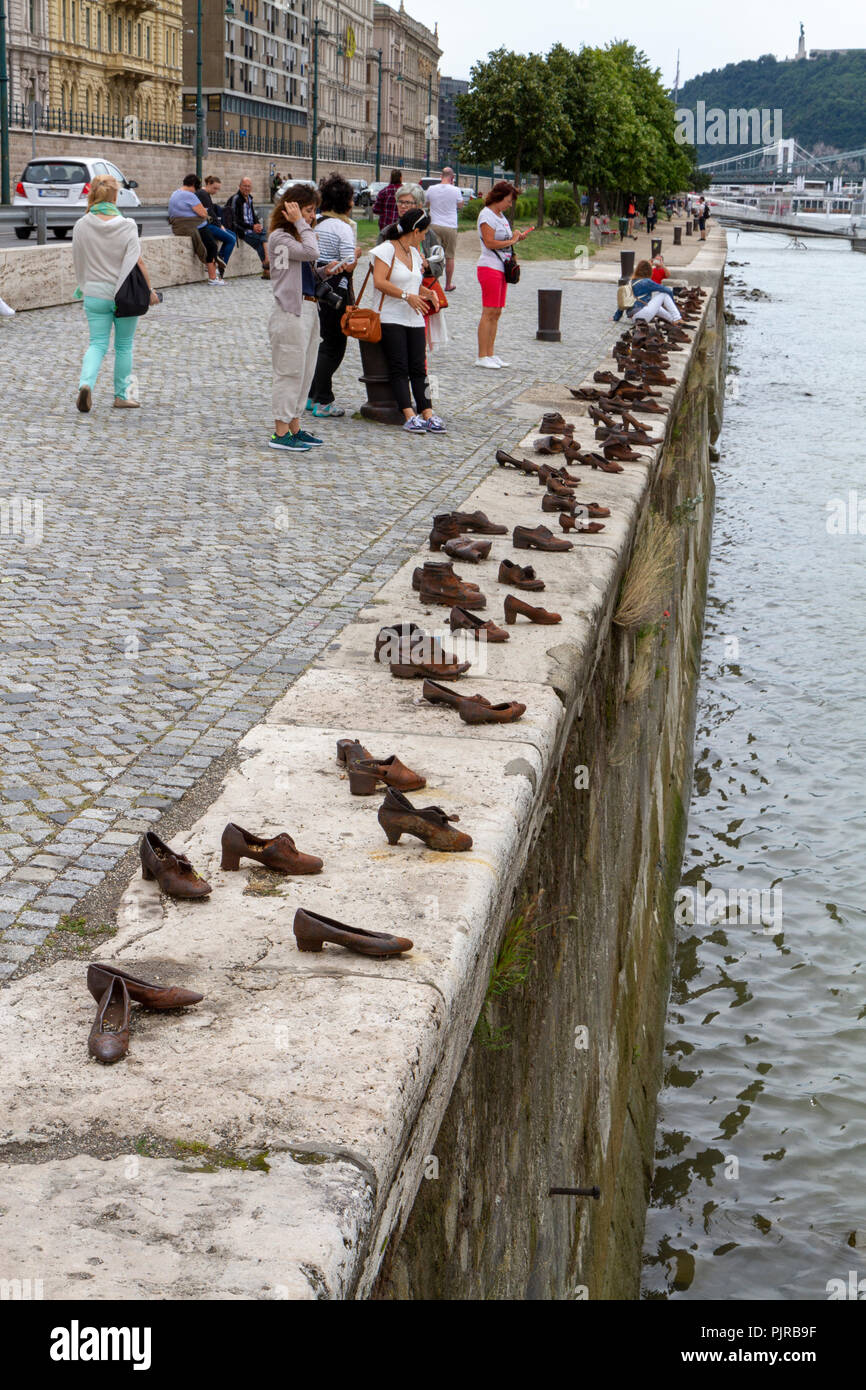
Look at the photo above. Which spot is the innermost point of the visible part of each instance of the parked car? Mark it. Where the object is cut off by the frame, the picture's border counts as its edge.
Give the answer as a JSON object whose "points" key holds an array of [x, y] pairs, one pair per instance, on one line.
{"points": [[376, 189], [362, 194], [466, 193], [428, 182], [58, 182]]}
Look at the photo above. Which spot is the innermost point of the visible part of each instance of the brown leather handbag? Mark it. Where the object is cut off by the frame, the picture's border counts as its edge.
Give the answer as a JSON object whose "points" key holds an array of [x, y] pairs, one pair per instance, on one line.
{"points": [[365, 324]]}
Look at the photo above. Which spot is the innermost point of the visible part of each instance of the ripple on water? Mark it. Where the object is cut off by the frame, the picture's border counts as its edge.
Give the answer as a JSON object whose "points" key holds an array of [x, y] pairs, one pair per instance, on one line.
{"points": [[762, 1117]]}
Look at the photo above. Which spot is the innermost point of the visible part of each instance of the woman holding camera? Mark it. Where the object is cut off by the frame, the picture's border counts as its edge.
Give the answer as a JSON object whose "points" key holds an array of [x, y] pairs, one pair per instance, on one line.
{"points": [[397, 274], [337, 248], [293, 327]]}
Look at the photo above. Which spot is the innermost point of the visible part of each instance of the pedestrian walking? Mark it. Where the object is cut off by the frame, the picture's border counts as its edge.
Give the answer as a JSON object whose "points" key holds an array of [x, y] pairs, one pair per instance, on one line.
{"points": [[445, 202], [385, 206], [338, 252], [293, 327], [397, 275], [105, 248], [241, 217], [703, 211], [631, 214], [651, 215], [187, 216], [497, 238], [226, 240]]}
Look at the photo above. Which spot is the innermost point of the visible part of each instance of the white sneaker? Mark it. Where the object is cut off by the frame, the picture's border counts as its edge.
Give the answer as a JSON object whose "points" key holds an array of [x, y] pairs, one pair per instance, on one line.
{"points": [[6, 310], [490, 362], [217, 282], [499, 362]]}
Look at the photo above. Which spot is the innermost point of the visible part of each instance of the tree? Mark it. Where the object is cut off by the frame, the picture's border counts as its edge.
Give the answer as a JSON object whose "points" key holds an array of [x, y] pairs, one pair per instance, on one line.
{"points": [[513, 114]]}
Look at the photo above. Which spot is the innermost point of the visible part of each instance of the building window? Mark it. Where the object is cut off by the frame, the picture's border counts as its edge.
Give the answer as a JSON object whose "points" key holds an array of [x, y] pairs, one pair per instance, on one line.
{"points": [[87, 30], [128, 34], [72, 18], [63, 14], [147, 40], [138, 40]]}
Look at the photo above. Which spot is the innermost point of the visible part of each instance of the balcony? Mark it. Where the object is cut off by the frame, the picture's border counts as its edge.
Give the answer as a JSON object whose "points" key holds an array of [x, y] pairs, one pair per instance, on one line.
{"points": [[134, 6], [120, 66]]}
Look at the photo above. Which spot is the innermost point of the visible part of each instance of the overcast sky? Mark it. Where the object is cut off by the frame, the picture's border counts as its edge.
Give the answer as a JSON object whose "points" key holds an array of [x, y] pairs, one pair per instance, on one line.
{"points": [[707, 35]]}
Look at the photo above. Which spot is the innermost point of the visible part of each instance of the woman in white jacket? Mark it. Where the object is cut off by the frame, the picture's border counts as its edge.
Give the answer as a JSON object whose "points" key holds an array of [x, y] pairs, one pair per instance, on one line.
{"points": [[104, 250]]}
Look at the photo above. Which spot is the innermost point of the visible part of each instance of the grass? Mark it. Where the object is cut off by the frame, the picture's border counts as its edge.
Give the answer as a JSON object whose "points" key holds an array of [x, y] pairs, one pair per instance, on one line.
{"points": [[645, 586], [510, 970], [368, 230], [552, 243]]}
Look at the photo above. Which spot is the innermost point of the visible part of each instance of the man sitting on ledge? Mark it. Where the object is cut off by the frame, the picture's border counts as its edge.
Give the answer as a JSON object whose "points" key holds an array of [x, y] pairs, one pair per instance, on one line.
{"points": [[240, 216]]}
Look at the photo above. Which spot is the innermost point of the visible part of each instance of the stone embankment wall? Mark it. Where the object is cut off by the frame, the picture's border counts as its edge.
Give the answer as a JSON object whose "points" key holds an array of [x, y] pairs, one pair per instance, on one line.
{"points": [[559, 1085], [335, 1126]]}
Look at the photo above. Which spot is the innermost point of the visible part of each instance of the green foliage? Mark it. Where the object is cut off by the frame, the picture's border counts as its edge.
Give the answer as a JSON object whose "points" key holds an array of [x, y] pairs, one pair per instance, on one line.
{"points": [[562, 210], [469, 211], [514, 113], [821, 99]]}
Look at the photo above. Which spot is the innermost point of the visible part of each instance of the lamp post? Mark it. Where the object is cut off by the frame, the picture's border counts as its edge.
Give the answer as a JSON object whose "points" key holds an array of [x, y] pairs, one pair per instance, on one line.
{"points": [[4, 109], [429, 113], [378, 56], [199, 108], [318, 31]]}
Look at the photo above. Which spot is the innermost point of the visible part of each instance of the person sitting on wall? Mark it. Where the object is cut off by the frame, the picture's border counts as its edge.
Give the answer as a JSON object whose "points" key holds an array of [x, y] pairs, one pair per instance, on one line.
{"points": [[187, 216], [240, 216], [651, 300]]}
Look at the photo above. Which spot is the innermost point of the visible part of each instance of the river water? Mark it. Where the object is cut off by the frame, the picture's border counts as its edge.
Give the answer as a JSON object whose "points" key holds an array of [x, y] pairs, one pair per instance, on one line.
{"points": [[760, 1184]]}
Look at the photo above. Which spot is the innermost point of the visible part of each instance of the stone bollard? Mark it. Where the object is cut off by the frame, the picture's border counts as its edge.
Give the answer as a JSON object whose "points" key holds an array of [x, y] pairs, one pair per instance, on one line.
{"points": [[678, 236], [380, 404], [656, 246], [626, 263], [549, 309], [688, 229]]}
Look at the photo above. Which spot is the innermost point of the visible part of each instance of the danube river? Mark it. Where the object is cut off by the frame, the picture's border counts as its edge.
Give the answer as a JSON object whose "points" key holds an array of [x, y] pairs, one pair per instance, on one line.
{"points": [[761, 1136]]}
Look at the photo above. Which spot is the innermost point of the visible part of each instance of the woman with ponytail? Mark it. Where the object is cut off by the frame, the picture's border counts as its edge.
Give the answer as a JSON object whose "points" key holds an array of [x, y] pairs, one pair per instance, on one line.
{"points": [[105, 248]]}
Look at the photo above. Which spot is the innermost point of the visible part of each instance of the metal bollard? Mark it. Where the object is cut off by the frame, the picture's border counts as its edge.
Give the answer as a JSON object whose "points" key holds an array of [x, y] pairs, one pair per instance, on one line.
{"points": [[626, 264], [678, 236], [688, 229], [549, 309], [41, 226], [380, 404], [656, 246]]}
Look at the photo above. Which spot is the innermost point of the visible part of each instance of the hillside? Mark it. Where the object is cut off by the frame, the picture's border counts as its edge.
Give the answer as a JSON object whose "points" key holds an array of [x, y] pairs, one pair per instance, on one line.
{"points": [[821, 99]]}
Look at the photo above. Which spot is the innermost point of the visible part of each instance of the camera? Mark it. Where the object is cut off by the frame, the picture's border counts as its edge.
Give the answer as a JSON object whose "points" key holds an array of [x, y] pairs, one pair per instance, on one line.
{"points": [[333, 292]]}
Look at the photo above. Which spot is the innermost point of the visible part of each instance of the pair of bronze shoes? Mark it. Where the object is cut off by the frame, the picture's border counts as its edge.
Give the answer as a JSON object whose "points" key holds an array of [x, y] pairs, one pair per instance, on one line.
{"points": [[397, 816], [450, 526], [367, 773], [473, 709], [438, 583], [313, 929], [506, 460], [411, 652], [463, 620], [520, 576], [114, 990], [178, 879]]}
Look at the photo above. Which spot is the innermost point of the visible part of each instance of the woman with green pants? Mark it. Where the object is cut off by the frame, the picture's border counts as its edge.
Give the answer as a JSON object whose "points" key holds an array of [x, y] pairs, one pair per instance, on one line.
{"points": [[104, 250]]}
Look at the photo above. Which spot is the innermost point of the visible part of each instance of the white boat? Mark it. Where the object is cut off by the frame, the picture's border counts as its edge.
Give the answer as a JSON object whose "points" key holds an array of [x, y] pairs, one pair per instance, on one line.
{"points": [[807, 208]]}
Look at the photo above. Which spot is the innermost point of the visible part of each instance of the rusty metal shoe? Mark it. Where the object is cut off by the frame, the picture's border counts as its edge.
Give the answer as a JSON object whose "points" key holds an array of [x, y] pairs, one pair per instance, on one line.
{"points": [[109, 1037], [548, 444], [397, 816], [447, 588], [538, 538], [478, 522], [473, 709], [444, 529], [411, 652], [551, 503], [515, 606], [472, 552], [554, 423], [368, 774], [576, 523], [547, 472], [509, 461], [312, 930], [520, 577], [173, 872], [349, 751], [434, 568], [99, 978], [279, 852], [462, 620]]}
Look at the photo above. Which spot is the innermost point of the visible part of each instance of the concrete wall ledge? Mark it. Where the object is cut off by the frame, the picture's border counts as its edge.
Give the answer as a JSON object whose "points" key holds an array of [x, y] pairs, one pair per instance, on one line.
{"points": [[38, 277], [337, 1069]]}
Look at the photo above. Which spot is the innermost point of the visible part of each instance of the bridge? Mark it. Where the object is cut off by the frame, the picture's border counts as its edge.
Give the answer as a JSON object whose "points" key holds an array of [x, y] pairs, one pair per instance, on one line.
{"points": [[782, 162]]}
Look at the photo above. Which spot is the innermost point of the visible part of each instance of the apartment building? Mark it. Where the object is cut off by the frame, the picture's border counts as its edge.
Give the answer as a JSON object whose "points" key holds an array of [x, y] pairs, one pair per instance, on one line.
{"points": [[450, 129], [410, 83], [27, 53], [115, 60]]}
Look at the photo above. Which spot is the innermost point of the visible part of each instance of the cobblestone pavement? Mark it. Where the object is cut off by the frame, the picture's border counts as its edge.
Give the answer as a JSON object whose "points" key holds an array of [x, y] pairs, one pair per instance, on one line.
{"points": [[166, 576]]}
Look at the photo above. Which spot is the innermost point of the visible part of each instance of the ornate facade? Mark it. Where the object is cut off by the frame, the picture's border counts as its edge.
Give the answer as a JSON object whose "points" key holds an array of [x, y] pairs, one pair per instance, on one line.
{"points": [[28, 53], [112, 61], [410, 83]]}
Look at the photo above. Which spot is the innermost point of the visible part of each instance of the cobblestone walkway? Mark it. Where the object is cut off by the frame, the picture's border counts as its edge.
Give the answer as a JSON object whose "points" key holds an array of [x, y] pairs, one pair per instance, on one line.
{"points": [[181, 574]]}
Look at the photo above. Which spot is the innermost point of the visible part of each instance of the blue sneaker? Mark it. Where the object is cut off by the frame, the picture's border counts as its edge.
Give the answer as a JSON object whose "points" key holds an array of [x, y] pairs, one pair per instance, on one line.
{"points": [[310, 407], [288, 441], [324, 412], [435, 425], [309, 439]]}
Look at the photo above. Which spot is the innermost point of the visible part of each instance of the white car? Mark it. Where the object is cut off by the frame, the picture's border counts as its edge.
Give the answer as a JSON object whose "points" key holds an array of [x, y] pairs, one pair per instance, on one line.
{"points": [[64, 182]]}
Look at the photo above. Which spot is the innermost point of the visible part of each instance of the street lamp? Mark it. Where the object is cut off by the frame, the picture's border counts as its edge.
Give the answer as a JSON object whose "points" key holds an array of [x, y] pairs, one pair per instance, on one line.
{"points": [[4, 109], [199, 107], [378, 116], [429, 100], [318, 30]]}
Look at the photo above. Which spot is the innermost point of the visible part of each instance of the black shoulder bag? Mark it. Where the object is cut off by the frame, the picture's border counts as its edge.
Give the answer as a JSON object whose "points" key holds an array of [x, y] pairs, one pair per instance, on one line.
{"points": [[510, 266], [133, 297]]}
